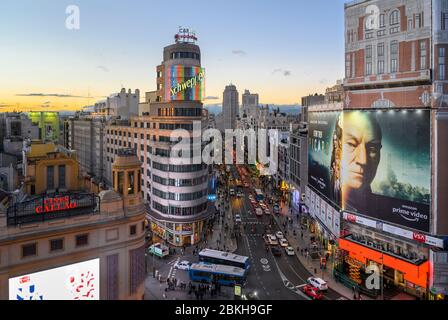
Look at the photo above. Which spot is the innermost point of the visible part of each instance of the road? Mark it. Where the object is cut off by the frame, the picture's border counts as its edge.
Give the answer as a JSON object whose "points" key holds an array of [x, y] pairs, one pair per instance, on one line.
{"points": [[273, 278]]}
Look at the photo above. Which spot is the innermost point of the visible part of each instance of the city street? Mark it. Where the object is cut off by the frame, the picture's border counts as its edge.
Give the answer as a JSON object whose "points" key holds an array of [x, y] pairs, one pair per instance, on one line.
{"points": [[271, 278]]}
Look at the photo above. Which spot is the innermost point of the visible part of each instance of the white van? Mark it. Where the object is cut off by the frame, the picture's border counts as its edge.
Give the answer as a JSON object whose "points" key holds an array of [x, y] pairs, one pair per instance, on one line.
{"points": [[318, 283]]}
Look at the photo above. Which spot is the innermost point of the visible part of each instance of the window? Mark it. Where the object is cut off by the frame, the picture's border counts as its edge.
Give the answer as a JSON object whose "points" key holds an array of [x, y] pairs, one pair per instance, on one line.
{"points": [[442, 64], [444, 21], [56, 244], [348, 66], [368, 60], [82, 240], [368, 68], [380, 66], [382, 20], [133, 230], [394, 57], [131, 178], [380, 51], [423, 55], [50, 177], [29, 250], [394, 17], [61, 176]]}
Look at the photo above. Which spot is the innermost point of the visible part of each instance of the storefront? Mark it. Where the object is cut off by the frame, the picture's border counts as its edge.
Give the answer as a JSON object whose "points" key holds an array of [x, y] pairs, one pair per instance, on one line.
{"points": [[178, 234], [397, 273]]}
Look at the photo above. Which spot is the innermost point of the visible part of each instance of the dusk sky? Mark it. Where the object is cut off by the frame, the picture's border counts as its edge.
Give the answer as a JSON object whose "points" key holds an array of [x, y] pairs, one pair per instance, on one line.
{"points": [[281, 49]]}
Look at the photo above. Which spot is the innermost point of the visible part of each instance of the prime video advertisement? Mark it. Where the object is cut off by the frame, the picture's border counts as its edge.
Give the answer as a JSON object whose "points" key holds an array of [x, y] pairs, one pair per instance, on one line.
{"points": [[80, 281], [375, 163]]}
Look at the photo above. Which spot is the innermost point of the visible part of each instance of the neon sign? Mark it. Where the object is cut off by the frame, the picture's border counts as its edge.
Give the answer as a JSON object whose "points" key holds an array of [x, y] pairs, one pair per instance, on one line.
{"points": [[191, 83], [186, 35], [56, 204]]}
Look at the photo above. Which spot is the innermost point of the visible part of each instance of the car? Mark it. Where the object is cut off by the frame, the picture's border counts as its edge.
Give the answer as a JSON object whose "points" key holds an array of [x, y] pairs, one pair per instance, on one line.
{"points": [[240, 194], [272, 240], [267, 211], [259, 212], [182, 265], [283, 242], [276, 252], [238, 218], [317, 283], [279, 235], [290, 251], [232, 192], [313, 292], [276, 209]]}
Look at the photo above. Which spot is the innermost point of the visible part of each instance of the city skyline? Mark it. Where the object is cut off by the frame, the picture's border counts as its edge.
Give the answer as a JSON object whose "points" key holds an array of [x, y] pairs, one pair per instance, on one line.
{"points": [[52, 68]]}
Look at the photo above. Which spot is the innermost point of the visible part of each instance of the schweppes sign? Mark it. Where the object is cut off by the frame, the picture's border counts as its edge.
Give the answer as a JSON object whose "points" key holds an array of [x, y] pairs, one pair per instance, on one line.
{"points": [[191, 83]]}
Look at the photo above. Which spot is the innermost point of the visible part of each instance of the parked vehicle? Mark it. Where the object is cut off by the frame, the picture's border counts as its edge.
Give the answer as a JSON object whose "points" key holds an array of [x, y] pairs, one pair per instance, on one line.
{"points": [[159, 250], [313, 292], [318, 283], [279, 235], [259, 212]]}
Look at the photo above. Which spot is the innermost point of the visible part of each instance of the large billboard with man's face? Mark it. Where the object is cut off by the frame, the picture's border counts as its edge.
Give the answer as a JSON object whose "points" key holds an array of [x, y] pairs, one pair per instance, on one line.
{"points": [[376, 163]]}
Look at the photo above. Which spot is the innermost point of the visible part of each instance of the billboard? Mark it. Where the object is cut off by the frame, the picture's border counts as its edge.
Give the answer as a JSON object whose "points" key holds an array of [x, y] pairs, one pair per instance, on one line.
{"points": [[184, 83], [375, 163], [48, 123], [79, 281]]}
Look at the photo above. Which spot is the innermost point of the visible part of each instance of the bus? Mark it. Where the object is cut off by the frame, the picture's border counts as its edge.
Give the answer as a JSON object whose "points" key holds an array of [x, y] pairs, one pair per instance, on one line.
{"points": [[259, 196], [215, 273], [224, 258]]}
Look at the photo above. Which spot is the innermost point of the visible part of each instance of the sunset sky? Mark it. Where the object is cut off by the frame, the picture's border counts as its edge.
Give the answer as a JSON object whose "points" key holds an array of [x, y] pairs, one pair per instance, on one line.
{"points": [[280, 49]]}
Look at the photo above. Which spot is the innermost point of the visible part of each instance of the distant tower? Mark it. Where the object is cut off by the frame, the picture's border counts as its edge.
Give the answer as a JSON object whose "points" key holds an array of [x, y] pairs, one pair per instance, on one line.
{"points": [[230, 106], [126, 175]]}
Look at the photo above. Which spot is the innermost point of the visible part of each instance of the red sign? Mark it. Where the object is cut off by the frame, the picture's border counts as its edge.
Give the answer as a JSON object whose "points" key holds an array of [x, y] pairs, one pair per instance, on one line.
{"points": [[351, 218], [24, 279], [56, 204], [419, 237]]}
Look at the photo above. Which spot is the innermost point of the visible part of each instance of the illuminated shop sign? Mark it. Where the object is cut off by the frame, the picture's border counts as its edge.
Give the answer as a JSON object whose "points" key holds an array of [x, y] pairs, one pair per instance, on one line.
{"points": [[79, 281], [185, 35], [56, 204], [191, 83], [411, 235], [50, 207]]}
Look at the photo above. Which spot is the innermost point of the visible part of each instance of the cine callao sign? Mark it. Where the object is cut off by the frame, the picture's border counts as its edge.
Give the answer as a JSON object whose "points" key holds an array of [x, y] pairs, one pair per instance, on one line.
{"points": [[56, 204], [191, 83]]}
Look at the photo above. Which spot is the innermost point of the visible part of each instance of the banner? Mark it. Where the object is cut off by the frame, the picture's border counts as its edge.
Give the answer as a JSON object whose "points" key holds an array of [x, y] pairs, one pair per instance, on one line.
{"points": [[376, 163]]}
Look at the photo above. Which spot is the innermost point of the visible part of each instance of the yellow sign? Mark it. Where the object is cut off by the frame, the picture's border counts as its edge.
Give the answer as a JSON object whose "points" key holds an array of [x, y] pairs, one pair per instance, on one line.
{"points": [[238, 291]]}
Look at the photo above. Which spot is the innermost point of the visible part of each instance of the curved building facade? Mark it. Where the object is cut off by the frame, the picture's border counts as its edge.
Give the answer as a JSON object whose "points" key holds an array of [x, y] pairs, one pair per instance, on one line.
{"points": [[178, 204]]}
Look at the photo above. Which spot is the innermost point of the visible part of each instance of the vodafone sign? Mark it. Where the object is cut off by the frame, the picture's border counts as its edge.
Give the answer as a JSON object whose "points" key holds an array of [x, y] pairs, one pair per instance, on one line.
{"points": [[415, 236]]}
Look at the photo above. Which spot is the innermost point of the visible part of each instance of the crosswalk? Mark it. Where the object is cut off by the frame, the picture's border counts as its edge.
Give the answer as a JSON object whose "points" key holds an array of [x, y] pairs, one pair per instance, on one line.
{"points": [[172, 272]]}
